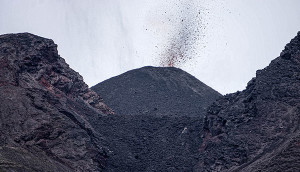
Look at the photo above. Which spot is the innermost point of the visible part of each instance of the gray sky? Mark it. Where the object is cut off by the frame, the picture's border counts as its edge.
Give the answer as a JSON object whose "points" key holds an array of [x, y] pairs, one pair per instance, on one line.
{"points": [[221, 42]]}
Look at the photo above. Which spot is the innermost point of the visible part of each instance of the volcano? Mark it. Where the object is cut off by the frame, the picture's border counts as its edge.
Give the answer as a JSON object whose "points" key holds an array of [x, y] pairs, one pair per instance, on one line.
{"points": [[167, 90], [147, 119]]}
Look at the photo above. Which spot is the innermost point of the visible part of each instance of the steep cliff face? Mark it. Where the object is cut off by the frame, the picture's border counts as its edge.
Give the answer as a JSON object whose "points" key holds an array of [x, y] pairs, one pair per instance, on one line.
{"points": [[258, 129], [44, 109]]}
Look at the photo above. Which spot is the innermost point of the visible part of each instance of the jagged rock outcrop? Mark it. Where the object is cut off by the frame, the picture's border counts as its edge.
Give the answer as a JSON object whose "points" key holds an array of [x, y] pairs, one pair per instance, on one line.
{"points": [[44, 110], [31, 61], [165, 90], [257, 129]]}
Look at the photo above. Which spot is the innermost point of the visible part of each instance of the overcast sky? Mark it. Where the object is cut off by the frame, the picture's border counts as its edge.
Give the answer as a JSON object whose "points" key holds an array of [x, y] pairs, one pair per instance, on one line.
{"points": [[221, 42]]}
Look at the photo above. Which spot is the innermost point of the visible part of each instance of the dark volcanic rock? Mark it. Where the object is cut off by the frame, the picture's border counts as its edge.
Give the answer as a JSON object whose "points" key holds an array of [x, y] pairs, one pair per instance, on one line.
{"points": [[159, 116], [151, 142], [44, 110], [258, 129], [165, 90], [30, 61], [51, 121]]}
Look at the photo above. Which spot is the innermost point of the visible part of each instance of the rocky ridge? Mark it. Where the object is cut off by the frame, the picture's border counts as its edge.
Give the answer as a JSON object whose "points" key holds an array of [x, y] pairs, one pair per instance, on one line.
{"points": [[44, 110], [258, 129]]}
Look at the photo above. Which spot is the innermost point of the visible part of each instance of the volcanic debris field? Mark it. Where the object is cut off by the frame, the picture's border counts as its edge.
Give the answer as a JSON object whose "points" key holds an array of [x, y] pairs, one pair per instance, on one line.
{"points": [[147, 119]]}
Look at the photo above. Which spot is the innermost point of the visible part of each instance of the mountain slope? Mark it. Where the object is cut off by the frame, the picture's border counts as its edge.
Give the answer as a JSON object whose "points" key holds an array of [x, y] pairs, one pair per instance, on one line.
{"points": [[258, 129], [44, 108], [159, 113], [166, 90]]}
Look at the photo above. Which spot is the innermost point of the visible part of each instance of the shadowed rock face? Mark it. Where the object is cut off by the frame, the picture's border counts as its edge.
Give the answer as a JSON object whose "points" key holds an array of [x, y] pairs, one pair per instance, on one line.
{"points": [[258, 129], [44, 108]]}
